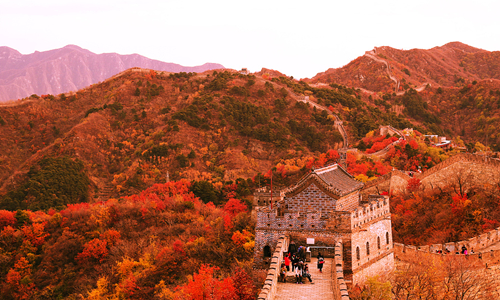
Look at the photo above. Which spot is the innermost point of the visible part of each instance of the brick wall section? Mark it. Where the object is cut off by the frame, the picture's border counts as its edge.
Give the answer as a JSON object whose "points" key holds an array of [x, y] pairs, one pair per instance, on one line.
{"points": [[402, 251], [349, 202], [311, 198], [262, 197], [471, 168], [399, 182], [470, 172], [339, 285], [378, 261], [477, 243], [371, 223], [374, 208], [268, 291], [490, 163]]}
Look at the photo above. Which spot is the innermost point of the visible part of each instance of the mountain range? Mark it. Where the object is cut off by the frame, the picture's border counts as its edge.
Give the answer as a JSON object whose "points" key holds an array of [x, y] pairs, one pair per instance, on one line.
{"points": [[385, 69], [69, 69]]}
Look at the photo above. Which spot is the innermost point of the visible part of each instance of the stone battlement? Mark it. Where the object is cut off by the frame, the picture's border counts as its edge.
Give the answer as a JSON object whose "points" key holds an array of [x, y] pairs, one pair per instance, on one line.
{"points": [[268, 291], [402, 251], [462, 157], [375, 207], [473, 168], [263, 196], [478, 243]]}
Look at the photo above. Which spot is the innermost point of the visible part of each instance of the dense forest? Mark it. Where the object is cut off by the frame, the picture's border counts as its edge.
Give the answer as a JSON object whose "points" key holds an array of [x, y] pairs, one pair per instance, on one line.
{"points": [[144, 246]]}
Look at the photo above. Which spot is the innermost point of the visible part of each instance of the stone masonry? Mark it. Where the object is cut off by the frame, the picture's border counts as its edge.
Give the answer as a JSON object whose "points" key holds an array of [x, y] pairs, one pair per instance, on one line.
{"points": [[327, 205]]}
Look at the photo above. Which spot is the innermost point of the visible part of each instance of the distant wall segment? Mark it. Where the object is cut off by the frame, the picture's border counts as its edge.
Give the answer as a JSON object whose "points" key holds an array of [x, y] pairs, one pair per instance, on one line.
{"points": [[465, 168]]}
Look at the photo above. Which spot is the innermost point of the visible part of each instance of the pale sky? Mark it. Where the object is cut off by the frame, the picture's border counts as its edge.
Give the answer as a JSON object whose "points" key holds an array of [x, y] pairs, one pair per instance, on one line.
{"points": [[297, 38]]}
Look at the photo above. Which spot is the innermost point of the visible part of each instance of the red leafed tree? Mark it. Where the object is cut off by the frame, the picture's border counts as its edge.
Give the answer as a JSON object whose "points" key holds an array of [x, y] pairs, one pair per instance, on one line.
{"points": [[19, 281], [413, 144], [234, 207], [205, 286], [129, 285], [35, 233], [413, 185], [111, 236], [231, 209], [243, 284], [178, 247], [332, 155], [459, 204], [7, 218], [380, 168], [95, 250], [151, 75]]}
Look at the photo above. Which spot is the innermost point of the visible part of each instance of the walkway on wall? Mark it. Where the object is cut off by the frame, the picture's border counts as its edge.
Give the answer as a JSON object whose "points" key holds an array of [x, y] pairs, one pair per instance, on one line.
{"points": [[321, 289], [340, 127]]}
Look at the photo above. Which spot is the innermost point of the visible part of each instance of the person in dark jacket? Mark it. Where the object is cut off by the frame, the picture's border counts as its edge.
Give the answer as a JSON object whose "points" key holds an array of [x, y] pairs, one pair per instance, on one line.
{"points": [[321, 262]]}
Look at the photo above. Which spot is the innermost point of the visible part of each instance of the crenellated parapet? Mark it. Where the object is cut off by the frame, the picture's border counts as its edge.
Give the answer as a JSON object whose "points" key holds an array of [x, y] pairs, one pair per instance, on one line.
{"points": [[477, 244], [340, 290], [373, 208], [263, 196], [268, 291]]}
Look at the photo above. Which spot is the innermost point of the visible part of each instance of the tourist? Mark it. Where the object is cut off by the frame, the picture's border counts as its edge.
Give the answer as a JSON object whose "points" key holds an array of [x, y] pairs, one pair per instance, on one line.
{"points": [[321, 262], [283, 273], [301, 253], [464, 249], [298, 272], [295, 261], [287, 262], [305, 273]]}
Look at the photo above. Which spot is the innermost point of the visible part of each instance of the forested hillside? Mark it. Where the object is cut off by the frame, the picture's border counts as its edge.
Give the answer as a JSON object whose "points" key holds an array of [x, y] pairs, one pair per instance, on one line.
{"points": [[141, 127], [145, 246]]}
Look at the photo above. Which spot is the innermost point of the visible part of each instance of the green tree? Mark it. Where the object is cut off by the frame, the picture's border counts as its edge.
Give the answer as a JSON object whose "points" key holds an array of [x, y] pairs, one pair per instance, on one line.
{"points": [[206, 192], [52, 183]]}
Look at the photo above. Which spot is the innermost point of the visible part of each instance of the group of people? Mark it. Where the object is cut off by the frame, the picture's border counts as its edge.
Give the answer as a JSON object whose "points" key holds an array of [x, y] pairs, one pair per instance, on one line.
{"points": [[462, 251], [299, 268]]}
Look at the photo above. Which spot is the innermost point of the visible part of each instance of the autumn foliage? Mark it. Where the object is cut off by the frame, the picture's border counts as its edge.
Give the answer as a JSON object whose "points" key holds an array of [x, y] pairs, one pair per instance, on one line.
{"points": [[135, 247], [441, 216]]}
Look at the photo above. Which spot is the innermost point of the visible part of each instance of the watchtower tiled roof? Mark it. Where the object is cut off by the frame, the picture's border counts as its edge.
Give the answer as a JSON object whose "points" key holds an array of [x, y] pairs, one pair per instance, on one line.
{"points": [[334, 178]]}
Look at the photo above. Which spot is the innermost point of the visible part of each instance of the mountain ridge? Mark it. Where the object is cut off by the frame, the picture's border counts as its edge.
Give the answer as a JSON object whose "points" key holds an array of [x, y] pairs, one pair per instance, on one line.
{"points": [[438, 66], [70, 68]]}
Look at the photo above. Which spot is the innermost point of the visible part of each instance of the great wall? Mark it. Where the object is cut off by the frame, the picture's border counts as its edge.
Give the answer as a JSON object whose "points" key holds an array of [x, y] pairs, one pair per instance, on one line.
{"points": [[462, 169], [373, 55], [485, 247]]}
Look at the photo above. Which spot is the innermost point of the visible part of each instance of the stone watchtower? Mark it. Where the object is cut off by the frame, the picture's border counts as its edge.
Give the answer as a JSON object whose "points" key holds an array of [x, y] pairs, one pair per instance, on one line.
{"points": [[326, 204]]}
